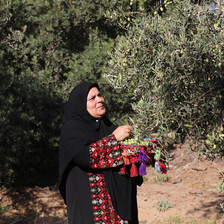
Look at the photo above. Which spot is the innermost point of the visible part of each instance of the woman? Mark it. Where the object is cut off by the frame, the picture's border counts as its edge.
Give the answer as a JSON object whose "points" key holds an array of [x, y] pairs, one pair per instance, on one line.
{"points": [[89, 163]]}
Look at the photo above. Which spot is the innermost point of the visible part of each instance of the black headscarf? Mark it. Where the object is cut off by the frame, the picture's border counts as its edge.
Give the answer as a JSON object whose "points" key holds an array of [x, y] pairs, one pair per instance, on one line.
{"points": [[80, 130]]}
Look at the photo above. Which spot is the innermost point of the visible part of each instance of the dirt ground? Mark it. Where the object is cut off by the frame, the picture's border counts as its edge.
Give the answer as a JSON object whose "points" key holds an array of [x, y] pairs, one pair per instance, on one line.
{"points": [[190, 187]]}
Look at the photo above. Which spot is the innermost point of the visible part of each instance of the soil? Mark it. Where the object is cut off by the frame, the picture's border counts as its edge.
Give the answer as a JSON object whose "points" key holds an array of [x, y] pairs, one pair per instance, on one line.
{"points": [[189, 187]]}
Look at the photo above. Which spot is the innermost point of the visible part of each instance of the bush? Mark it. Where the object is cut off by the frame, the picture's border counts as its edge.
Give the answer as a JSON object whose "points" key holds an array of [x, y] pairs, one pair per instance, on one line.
{"points": [[164, 205], [30, 121], [171, 67], [44, 48]]}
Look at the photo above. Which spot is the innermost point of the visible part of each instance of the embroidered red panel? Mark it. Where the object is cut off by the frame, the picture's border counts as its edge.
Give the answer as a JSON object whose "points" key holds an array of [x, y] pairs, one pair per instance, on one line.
{"points": [[105, 153]]}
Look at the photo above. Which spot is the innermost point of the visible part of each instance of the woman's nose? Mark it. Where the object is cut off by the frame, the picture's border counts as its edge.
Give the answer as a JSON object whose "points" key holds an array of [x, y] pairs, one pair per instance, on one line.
{"points": [[99, 98]]}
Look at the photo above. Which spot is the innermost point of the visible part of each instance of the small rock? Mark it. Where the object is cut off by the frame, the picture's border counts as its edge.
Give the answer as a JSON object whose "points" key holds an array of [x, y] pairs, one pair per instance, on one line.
{"points": [[187, 166], [171, 167], [175, 180], [195, 193], [198, 168]]}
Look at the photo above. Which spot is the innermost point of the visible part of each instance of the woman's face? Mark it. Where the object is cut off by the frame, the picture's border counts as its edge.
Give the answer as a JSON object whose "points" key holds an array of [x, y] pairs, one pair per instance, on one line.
{"points": [[95, 103]]}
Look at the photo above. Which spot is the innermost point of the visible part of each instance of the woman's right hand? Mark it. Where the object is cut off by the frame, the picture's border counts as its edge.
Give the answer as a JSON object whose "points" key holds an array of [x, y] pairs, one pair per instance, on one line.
{"points": [[122, 132]]}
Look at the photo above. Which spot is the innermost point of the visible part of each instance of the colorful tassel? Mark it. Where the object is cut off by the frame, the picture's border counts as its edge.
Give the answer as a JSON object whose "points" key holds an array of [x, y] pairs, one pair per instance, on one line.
{"points": [[134, 170], [142, 169], [157, 167], [160, 167], [143, 159], [126, 157], [163, 167], [139, 153], [142, 156]]}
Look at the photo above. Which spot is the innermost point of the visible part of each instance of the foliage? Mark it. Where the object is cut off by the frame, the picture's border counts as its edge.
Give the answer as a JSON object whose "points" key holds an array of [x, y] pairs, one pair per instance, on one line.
{"points": [[88, 65], [220, 189], [158, 178], [41, 36], [161, 178], [33, 55], [222, 206], [163, 205], [46, 48], [3, 208], [214, 142], [221, 183], [171, 68], [30, 123]]}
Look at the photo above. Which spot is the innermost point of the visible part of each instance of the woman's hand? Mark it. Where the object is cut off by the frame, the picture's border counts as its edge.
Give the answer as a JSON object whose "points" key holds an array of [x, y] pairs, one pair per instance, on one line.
{"points": [[122, 132]]}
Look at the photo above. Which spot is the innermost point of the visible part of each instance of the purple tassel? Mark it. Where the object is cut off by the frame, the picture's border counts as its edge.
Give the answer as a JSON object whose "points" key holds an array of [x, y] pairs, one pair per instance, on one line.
{"points": [[142, 158], [142, 169]]}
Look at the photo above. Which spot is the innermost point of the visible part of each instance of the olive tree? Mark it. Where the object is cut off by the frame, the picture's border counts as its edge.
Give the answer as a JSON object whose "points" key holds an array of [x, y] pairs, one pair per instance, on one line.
{"points": [[171, 68]]}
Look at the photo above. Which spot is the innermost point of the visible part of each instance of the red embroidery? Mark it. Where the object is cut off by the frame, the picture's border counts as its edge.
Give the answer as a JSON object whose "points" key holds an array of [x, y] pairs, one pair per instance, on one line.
{"points": [[105, 153], [103, 209]]}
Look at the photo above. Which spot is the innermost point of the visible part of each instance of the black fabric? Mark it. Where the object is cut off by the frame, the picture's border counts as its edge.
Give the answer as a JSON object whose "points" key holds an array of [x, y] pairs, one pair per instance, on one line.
{"points": [[79, 205], [80, 130]]}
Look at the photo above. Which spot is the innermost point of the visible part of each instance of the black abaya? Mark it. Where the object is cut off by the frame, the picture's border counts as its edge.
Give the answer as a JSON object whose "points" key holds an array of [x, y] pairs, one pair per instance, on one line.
{"points": [[79, 131]]}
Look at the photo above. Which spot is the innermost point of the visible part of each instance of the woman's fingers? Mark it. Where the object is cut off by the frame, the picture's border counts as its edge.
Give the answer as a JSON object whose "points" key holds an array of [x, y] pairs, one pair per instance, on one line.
{"points": [[122, 132]]}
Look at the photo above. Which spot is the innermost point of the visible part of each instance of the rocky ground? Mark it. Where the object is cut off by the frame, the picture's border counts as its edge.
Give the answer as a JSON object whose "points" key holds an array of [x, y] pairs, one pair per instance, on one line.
{"points": [[191, 189], [188, 192]]}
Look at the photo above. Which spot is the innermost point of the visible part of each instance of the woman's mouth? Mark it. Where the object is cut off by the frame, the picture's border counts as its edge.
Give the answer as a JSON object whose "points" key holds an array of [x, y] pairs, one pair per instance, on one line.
{"points": [[100, 107]]}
